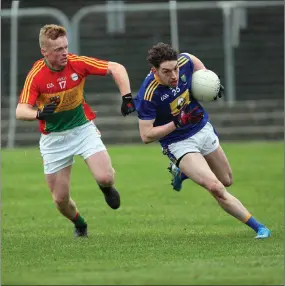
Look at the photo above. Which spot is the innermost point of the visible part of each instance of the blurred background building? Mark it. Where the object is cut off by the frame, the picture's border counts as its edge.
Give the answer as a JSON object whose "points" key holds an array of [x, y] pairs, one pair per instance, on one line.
{"points": [[242, 41]]}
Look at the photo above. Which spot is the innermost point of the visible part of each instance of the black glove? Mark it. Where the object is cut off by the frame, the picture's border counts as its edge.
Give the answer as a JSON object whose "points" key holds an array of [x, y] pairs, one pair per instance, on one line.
{"points": [[48, 109], [128, 105], [221, 91], [188, 116]]}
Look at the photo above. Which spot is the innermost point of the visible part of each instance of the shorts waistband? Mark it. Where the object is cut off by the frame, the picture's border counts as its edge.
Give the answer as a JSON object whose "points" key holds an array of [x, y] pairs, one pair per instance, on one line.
{"points": [[65, 132]]}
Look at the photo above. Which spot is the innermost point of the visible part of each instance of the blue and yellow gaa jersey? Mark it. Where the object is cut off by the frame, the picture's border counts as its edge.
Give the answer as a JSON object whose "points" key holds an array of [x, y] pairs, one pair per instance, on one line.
{"points": [[162, 103]]}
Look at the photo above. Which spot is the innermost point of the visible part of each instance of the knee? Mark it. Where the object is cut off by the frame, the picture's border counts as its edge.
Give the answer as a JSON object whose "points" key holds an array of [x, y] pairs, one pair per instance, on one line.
{"points": [[60, 199], [227, 180], [106, 179], [216, 188]]}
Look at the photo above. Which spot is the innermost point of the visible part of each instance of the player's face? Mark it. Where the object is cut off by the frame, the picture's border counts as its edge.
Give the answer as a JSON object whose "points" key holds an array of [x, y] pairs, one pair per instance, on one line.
{"points": [[56, 52], [168, 73]]}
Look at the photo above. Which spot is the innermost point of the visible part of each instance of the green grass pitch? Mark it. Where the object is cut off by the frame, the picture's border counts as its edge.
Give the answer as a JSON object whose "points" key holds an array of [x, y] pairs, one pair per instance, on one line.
{"points": [[158, 236]]}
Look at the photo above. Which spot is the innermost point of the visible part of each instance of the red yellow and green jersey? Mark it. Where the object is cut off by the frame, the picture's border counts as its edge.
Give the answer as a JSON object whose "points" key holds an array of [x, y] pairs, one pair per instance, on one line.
{"points": [[43, 82]]}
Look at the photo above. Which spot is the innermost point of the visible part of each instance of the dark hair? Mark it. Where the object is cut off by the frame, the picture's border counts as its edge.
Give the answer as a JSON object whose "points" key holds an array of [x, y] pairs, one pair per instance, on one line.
{"points": [[160, 53]]}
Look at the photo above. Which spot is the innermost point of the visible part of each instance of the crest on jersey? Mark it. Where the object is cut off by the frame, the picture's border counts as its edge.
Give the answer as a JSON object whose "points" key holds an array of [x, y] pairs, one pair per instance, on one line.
{"points": [[179, 102], [183, 78], [74, 76]]}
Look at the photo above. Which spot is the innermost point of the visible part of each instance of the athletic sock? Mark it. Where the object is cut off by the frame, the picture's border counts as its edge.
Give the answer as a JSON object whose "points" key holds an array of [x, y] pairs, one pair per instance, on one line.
{"points": [[253, 223], [79, 220], [183, 176]]}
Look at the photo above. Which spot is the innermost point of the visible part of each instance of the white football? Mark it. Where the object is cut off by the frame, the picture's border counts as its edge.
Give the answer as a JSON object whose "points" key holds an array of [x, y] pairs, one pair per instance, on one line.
{"points": [[205, 85]]}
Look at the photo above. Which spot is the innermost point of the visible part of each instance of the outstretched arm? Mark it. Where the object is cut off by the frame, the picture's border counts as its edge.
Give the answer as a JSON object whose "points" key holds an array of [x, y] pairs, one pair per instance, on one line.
{"points": [[120, 76]]}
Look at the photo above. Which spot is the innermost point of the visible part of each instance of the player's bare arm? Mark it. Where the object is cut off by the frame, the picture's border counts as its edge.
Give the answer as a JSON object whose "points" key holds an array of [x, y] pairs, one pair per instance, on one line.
{"points": [[149, 133], [121, 78], [187, 115], [198, 65], [26, 112]]}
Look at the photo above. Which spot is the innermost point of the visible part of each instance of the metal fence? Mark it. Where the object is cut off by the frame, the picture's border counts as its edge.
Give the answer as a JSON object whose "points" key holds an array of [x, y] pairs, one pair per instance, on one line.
{"points": [[233, 18], [234, 15], [14, 14]]}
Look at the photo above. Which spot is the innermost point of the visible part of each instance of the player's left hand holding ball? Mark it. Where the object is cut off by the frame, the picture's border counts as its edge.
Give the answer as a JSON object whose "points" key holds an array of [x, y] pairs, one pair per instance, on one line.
{"points": [[128, 105], [221, 92]]}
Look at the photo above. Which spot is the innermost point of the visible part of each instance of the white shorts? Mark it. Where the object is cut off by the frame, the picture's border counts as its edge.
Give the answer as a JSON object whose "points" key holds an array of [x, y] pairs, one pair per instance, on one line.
{"points": [[205, 142], [58, 148]]}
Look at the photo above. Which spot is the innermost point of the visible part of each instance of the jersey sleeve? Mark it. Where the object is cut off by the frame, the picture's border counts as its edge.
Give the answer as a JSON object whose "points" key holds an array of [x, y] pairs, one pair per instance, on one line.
{"points": [[184, 60], [90, 65], [29, 93], [145, 107]]}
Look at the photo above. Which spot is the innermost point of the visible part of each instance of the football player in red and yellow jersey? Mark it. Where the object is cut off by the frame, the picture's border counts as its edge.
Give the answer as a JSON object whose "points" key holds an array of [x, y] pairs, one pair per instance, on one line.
{"points": [[55, 86]]}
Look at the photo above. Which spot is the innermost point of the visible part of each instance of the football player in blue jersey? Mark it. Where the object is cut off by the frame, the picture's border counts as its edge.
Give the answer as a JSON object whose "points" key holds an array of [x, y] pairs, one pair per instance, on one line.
{"points": [[168, 113]]}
